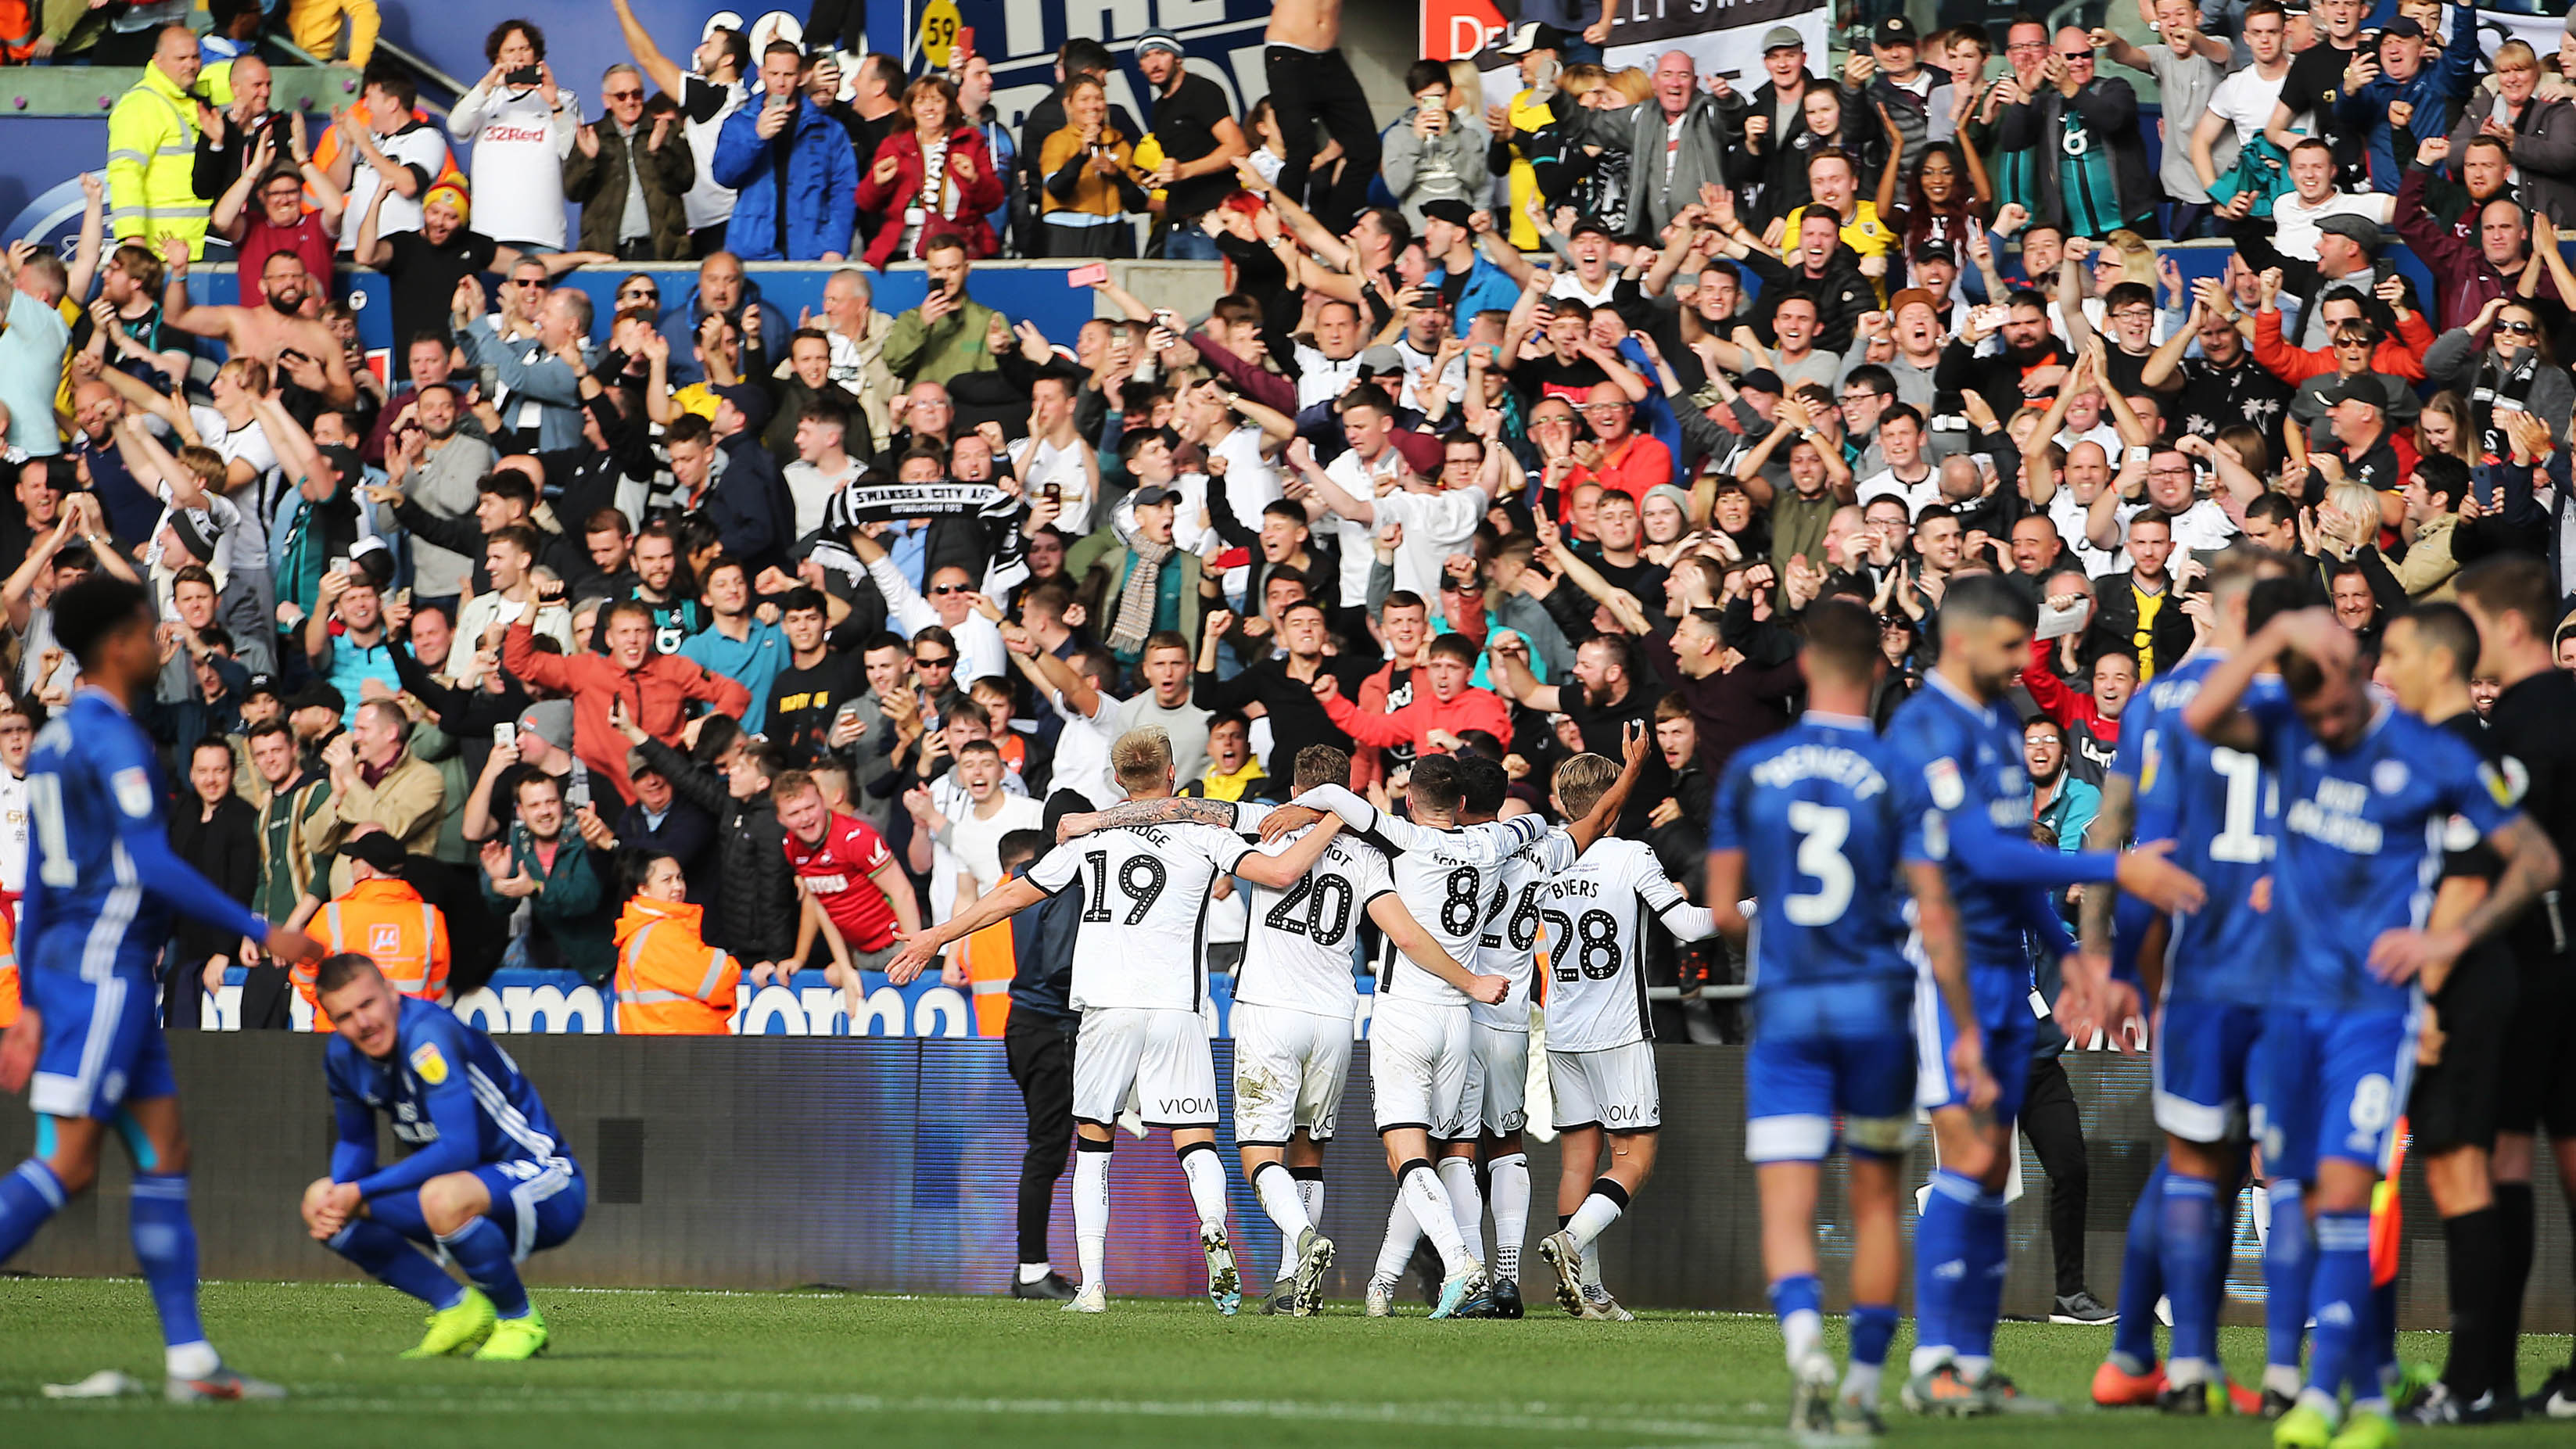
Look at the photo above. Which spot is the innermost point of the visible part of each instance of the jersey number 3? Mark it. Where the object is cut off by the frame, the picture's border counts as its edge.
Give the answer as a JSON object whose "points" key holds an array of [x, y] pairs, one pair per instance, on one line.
{"points": [[1822, 829]]}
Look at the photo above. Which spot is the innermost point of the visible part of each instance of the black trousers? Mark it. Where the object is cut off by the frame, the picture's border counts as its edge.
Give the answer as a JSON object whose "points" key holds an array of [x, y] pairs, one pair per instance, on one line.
{"points": [[1306, 88], [2056, 1131], [706, 241], [1040, 1057]]}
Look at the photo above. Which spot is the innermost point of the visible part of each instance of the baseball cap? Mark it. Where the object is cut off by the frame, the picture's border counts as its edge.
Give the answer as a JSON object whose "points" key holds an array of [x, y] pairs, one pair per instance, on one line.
{"points": [[374, 558], [1592, 224], [1909, 297], [376, 848], [749, 400], [1422, 452], [1783, 37], [1761, 379], [1382, 361], [1937, 248], [2364, 388], [263, 684], [1532, 35], [2404, 26], [1894, 30], [316, 694], [1157, 39], [2358, 229], [1450, 210], [1147, 496]]}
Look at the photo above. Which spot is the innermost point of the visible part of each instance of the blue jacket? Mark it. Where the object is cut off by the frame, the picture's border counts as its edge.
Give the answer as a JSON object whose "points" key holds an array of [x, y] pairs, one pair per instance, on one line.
{"points": [[822, 186], [2436, 92]]}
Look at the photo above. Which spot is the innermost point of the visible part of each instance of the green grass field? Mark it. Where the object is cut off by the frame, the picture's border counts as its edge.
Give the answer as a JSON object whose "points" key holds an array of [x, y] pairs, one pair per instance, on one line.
{"points": [[633, 1369]]}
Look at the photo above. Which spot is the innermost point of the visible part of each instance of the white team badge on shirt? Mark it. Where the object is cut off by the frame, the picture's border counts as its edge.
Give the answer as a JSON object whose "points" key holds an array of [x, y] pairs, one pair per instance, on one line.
{"points": [[1948, 790], [133, 791], [2388, 776]]}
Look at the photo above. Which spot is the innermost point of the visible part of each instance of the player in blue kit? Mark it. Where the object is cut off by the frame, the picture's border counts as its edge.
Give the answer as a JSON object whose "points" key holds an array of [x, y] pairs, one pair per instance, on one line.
{"points": [[1965, 750], [488, 1179], [99, 899], [1840, 828], [2219, 807], [2368, 796]]}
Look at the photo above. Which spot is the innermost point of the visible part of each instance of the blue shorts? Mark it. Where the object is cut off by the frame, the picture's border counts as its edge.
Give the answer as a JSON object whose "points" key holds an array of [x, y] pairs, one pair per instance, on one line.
{"points": [[2332, 1084], [102, 1047], [1794, 1088], [2002, 998], [2130, 919], [2204, 1065], [536, 1205]]}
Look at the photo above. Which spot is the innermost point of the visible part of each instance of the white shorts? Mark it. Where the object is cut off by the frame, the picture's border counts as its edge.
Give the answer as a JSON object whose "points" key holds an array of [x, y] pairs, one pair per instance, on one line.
{"points": [[1289, 1067], [1418, 1065], [1160, 1055], [1613, 1088], [1497, 1080]]}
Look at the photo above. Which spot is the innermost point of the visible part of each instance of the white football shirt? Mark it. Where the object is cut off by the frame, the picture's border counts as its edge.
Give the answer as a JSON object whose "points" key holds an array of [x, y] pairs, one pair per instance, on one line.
{"points": [[1297, 949], [1509, 945], [1594, 916], [1140, 941], [1444, 878]]}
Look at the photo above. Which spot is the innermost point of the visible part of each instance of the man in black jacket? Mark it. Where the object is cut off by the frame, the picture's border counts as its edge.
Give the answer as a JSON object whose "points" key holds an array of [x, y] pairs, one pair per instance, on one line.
{"points": [[754, 910], [1284, 684], [2139, 609], [502, 500], [1037, 1045], [2066, 127]]}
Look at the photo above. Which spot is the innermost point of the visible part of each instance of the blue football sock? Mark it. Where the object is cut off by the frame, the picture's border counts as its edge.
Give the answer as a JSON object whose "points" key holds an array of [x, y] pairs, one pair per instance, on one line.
{"points": [[1941, 1251], [2342, 1297], [28, 1197], [2289, 1260], [385, 1256], [2190, 1234], [1981, 1296], [1873, 1327], [1797, 1301], [2142, 1279], [165, 1244], [484, 1253]]}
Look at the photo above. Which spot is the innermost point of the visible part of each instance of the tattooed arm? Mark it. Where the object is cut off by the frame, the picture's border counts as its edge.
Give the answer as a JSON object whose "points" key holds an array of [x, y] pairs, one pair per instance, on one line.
{"points": [[1223, 814]]}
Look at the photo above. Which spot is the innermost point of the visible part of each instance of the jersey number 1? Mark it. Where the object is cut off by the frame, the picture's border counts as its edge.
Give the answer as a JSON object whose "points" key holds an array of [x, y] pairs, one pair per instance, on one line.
{"points": [[45, 803]]}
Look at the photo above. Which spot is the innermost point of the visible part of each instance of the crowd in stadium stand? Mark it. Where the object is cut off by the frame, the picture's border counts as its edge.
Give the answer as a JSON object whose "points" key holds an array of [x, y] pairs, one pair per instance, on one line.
{"points": [[1502, 438]]}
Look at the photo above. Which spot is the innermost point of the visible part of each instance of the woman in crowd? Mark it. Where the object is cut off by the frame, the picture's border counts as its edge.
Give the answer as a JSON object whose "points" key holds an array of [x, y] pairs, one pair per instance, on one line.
{"points": [[519, 125], [2514, 370], [1092, 195], [936, 179]]}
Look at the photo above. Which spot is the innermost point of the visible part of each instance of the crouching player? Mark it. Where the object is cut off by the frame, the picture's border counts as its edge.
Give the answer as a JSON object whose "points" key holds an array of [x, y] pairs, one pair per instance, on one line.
{"points": [[1834, 996], [489, 1180]]}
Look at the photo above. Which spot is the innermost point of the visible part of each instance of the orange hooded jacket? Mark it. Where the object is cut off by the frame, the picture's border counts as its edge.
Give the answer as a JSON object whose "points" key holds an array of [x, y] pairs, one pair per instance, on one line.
{"points": [[670, 982]]}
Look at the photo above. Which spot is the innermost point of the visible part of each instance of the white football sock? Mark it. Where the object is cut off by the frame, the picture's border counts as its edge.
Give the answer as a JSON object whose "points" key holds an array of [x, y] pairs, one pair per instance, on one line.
{"points": [[1591, 1266], [196, 1360], [1860, 1381], [1804, 1333], [1206, 1174], [1510, 1194], [1466, 1204], [1402, 1232], [1091, 1214], [1592, 1219], [1311, 1191], [1422, 1192], [1279, 1198], [1033, 1272]]}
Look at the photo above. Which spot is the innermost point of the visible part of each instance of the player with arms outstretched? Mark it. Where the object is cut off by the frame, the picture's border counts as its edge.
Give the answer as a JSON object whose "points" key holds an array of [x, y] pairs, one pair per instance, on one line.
{"points": [[487, 1182], [1139, 976], [1823, 825], [2368, 797], [96, 914], [1954, 736], [1600, 1060]]}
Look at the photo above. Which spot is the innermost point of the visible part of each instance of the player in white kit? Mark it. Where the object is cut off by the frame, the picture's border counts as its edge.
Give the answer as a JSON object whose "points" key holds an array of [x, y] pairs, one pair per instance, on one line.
{"points": [[1139, 978], [1419, 1031], [1600, 1059], [1294, 1002], [1498, 1034]]}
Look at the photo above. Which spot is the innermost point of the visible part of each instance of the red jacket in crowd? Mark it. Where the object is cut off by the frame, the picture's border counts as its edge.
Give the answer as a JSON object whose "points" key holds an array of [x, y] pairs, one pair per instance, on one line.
{"points": [[976, 195], [656, 692]]}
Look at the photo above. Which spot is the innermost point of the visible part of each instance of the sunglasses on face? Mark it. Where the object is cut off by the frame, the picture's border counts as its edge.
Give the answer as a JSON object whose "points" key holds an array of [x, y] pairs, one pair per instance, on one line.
{"points": [[622, 95], [952, 588], [2075, 55], [942, 662], [2518, 329], [639, 294], [527, 281]]}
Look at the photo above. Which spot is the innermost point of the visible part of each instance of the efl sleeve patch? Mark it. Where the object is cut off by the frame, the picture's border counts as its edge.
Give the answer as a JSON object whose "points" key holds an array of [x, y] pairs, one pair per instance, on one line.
{"points": [[428, 1064], [133, 792], [1942, 778]]}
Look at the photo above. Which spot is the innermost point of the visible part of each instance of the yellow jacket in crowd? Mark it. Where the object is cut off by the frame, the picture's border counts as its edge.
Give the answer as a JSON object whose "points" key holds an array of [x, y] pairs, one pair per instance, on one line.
{"points": [[151, 166]]}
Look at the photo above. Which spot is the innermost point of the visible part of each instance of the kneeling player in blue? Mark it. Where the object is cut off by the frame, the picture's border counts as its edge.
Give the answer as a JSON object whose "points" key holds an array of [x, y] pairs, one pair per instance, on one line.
{"points": [[488, 1180], [1953, 736], [99, 898], [1833, 996], [2369, 795]]}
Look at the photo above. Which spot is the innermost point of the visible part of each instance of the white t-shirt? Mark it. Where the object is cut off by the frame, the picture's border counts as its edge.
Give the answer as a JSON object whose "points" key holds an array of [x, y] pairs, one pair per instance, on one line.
{"points": [[977, 844], [704, 105], [1157, 876], [13, 833], [2071, 520], [2246, 100], [1320, 378], [1915, 496], [1417, 363], [1359, 479], [1039, 463], [519, 148], [253, 501], [1251, 480], [2294, 222], [1082, 751], [418, 144], [1436, 525], [812, 489]]}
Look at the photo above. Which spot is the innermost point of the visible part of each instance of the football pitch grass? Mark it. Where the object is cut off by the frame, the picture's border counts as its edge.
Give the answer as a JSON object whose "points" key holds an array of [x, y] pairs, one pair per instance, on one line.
{"points": [[638, 1368]]}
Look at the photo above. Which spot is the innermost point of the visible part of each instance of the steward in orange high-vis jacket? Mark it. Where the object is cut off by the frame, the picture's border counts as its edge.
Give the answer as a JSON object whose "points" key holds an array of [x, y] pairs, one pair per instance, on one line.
{"points": [[670, 982], [383, 919]]}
